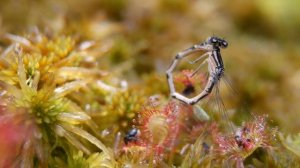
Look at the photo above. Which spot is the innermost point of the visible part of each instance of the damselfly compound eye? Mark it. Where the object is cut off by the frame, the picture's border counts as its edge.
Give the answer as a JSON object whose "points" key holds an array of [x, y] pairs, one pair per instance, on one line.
{"points": [[213, 40], [224, 44]]}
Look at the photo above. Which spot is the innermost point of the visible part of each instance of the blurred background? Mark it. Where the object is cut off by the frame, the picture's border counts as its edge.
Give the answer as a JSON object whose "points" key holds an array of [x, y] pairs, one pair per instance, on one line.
{"points": [[138, 40]]}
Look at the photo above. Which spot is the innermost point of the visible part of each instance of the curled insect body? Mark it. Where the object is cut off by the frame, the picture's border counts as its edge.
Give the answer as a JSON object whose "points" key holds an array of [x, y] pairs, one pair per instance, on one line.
{"points": [[131, 136], [212, 56], [238, 140], [242, 139]]}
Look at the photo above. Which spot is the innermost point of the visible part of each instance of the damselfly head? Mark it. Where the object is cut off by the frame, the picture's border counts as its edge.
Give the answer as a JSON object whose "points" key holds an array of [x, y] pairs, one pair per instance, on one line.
{"points": [[216, 41]]}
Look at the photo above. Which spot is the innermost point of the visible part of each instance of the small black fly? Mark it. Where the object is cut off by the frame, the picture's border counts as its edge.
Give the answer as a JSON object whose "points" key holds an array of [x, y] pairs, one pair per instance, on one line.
{"points": [[131, 136]]}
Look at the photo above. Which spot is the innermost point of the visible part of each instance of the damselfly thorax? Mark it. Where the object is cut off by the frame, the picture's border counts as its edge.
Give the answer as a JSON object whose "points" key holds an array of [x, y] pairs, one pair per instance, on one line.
{"points": [[211, 55]]}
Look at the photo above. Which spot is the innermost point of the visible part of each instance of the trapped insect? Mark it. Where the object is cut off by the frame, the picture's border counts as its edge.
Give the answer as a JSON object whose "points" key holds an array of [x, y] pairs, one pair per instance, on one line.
{"points": [[131, 135], [212, 56]]}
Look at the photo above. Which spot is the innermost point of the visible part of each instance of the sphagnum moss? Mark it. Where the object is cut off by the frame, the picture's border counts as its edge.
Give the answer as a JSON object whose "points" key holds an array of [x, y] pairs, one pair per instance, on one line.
{"points": [[36, 74]]}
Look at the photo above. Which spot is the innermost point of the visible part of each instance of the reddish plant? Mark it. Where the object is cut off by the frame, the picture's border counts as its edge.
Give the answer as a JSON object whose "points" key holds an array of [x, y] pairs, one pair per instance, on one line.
{"points": [[159, 128], [245, 141], [188, 79], [17, 138]]}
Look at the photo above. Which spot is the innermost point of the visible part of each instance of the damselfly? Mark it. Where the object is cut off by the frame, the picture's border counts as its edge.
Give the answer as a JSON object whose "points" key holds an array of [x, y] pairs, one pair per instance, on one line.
{"points": [[197, 83], [212, 56]]}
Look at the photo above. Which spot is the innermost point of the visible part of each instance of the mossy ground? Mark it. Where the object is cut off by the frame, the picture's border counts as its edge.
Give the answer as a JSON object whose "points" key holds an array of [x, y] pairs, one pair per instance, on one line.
{"points": [[77, 75]]}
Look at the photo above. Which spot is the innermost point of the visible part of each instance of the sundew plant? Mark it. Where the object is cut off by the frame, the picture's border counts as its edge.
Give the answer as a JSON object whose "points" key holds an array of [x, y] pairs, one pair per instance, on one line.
{"points": [[125, 84]]}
